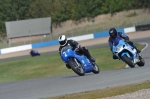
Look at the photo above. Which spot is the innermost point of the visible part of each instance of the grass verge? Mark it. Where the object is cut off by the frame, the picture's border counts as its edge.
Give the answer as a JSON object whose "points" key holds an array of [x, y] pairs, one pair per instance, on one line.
{"points": [[52, 65], [107, 92]]}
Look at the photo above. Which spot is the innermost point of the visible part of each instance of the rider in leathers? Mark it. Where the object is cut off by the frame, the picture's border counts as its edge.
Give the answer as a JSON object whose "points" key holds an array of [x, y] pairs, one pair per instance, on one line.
{"points": [[76, 46]]}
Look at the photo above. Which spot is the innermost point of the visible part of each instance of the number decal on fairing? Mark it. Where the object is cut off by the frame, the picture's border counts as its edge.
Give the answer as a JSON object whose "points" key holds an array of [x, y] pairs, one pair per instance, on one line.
{"points": [[65, 54]]}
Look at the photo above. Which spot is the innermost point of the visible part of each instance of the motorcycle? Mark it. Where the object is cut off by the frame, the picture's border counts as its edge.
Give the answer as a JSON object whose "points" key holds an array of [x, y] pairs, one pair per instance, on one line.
{"points": [[128, 54], [79, 63]]}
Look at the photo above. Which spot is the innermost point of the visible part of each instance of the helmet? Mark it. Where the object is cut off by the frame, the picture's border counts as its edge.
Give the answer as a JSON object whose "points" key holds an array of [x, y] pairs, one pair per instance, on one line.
{"points": [[62, 40], [113, 33]]}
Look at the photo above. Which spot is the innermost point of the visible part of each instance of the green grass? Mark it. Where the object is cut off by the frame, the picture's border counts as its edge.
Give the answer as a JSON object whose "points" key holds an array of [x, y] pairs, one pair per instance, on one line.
{"points": [[52, 65], [107, 92]]}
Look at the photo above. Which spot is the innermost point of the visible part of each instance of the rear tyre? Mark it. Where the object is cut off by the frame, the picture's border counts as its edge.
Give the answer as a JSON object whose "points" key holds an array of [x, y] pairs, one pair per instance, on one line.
{"points": [[141, 63], [77, 69], [128, 61], [96, 69]]}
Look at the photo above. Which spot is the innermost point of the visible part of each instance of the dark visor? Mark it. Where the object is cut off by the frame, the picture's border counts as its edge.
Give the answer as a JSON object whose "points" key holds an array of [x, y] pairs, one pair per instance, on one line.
{"points": [[62, 42]]}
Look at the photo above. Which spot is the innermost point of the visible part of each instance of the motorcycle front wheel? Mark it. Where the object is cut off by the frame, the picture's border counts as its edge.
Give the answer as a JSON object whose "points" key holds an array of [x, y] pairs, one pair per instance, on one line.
{"points": [[128, 61], [76, 67]]}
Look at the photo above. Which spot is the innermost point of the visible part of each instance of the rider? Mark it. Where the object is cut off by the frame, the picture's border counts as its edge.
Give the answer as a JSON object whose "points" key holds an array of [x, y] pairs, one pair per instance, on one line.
{"points": [[75, 45], [34, 53], [115, 36]]}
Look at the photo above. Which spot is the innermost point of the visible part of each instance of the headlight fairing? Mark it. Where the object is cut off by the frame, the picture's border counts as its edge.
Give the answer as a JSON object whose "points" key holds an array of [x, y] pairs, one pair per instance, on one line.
{"points": [[119, 48]]}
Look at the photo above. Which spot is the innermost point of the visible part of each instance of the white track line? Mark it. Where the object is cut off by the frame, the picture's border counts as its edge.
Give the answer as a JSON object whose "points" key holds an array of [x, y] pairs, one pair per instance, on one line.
{"points": [[145, 46], [141, 50]]}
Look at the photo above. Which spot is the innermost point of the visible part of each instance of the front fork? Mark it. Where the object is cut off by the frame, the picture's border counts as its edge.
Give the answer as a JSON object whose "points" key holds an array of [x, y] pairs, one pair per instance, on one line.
{"points": [[78, 65], [138, 57]]}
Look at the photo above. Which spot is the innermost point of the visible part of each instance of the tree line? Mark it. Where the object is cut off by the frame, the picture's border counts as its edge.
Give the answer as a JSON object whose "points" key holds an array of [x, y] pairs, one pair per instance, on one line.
{"points": [[62, 10]]}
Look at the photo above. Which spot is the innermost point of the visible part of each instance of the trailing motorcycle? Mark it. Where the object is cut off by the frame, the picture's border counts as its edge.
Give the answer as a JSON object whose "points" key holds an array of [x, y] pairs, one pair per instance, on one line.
{"points": [[128, 54]]}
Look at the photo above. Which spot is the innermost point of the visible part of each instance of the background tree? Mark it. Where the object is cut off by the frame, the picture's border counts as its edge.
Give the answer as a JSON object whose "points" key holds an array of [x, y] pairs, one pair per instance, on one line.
{"points": [[12, 10], [62, 10]]}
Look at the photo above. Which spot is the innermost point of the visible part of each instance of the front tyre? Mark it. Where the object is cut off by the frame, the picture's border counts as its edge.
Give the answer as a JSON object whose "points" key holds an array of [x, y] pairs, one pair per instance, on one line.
{"points": [[96, 69], [128, 61], [76, 67]]}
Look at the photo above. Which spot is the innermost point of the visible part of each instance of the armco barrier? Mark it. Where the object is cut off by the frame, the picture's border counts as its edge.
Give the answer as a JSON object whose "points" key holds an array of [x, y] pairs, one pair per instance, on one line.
{"points": [[100, 34], [55, 42], [105, 33], [44, 44], [143, 27], [83, 37], [15, 49], [129, 30]]}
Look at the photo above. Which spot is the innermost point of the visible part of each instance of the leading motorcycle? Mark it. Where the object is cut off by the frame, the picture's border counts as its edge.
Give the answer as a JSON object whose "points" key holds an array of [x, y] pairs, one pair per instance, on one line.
{"points": [[78, 62]]}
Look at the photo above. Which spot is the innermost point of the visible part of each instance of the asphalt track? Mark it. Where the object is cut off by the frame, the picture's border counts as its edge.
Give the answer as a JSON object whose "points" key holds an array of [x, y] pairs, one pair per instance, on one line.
{"points": [[54, 86]]}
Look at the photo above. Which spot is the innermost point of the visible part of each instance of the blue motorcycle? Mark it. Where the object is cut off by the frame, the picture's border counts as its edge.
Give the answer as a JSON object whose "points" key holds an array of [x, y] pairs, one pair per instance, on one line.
{"points": [[128, 54], [79, 63]]}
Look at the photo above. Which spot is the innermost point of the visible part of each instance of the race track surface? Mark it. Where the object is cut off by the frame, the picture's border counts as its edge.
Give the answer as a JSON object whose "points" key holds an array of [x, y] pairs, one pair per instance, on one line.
{"points": [[54, 86]]}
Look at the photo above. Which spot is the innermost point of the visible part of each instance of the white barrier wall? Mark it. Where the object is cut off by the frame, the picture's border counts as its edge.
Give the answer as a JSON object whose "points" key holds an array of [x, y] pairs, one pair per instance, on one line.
{"points": [[129, 30], [84, 37], [15, 49]]}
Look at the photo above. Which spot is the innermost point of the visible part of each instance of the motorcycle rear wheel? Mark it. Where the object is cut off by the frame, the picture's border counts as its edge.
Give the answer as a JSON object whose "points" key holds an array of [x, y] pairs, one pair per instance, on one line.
{"points": [[141, 63], [96, 69]]}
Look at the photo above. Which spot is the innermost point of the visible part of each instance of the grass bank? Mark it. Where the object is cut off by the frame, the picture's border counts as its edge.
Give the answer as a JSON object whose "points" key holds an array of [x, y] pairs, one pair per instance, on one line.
{"points": [[52, 65]]}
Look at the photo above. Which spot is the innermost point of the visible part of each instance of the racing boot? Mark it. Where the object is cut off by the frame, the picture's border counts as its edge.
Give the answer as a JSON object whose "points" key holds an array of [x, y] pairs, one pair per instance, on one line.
{"points": [[115, 57], [92, 59], [67, 65], [88, 55], [138, 51]]}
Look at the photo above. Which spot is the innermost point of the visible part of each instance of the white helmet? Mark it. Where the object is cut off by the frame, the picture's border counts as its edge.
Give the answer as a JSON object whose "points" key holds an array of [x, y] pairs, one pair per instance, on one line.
{"points": [[62, 40]]}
